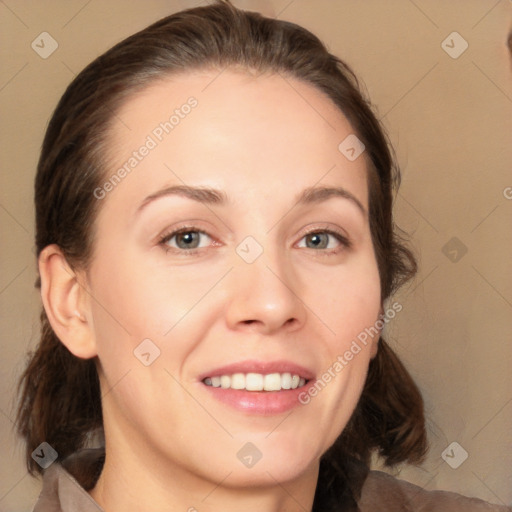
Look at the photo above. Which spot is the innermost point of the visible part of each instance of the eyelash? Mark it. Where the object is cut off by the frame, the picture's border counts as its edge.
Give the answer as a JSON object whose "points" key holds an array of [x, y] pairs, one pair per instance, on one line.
{"points": [[164, 239]]}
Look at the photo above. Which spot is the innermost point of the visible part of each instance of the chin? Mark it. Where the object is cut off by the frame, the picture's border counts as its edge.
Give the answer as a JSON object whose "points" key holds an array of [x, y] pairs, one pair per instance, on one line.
{"points": [[265, 474], [262, 462]]}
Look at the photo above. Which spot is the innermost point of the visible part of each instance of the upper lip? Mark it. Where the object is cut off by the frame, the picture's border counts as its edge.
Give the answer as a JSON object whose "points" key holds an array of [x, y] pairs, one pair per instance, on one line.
{"points": [[263, 367]]}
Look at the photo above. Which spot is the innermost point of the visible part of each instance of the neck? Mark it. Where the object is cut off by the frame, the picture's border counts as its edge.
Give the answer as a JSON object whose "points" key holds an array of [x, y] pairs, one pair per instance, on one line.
{"points": [[139, 483]]}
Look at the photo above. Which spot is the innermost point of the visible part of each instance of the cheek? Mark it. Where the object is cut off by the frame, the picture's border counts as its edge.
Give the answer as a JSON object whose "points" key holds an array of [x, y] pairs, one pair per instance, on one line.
{"points": [[349, 306], [141, 301], [127, 309], [348, 301], [135, 301]]}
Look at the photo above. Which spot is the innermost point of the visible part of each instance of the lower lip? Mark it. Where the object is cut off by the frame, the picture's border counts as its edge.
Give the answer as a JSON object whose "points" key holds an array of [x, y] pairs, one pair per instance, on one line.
{"points": [[259, 402]]}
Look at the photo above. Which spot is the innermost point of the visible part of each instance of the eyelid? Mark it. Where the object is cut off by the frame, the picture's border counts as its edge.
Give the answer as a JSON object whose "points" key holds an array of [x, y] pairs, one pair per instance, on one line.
{"points": [[167, 235], [342, 237], [324, 227]]}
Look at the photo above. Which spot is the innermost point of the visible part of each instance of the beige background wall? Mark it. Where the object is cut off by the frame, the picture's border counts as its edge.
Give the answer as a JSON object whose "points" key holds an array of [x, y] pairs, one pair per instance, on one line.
{"points": [[450, 121]]}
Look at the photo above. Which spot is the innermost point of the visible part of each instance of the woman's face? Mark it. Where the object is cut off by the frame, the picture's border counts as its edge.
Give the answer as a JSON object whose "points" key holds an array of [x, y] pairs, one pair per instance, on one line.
{"points": [[266, 278]]}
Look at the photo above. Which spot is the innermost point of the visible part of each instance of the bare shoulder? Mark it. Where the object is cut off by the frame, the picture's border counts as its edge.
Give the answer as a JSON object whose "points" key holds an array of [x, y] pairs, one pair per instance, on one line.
{"points": [[385, 493]]}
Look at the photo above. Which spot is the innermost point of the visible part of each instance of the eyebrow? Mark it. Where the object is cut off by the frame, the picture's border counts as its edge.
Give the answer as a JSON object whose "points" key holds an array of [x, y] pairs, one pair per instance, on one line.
{"points": [[206, 195]]}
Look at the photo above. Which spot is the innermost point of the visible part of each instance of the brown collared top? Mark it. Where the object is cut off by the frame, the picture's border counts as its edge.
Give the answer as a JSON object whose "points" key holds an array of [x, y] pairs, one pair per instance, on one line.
{"points": [[66, 486]]}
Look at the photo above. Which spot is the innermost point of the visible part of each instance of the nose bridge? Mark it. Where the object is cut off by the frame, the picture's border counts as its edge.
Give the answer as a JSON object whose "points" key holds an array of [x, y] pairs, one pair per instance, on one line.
{"points": [[263, 291]]}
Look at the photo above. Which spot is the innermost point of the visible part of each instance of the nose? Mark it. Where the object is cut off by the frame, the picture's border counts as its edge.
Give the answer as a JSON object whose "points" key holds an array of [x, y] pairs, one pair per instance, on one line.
{"points": [[265, 298]]}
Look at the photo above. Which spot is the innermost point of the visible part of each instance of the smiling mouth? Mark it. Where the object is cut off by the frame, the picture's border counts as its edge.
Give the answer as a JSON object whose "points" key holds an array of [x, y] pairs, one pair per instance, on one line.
{"points": [[257, 381]]}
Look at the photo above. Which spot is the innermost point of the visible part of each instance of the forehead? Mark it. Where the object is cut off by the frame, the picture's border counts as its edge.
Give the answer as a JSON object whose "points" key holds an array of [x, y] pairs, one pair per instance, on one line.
{"points": [[232, 129]]}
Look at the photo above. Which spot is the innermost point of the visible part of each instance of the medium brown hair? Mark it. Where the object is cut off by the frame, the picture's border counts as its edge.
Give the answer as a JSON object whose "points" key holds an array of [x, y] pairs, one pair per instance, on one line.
{"points": [[60, 400]]}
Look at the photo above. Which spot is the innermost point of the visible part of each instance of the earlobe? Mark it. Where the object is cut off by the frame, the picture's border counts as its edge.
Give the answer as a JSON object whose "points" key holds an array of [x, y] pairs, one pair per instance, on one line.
{"points": [[66, 303], [375, 342], [375, 347]]}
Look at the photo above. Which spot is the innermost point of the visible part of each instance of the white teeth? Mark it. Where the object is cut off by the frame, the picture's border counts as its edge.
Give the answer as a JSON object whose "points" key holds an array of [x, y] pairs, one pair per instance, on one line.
{"points": [[272, 382], [286, 380], [238, 381], [256, 381]]}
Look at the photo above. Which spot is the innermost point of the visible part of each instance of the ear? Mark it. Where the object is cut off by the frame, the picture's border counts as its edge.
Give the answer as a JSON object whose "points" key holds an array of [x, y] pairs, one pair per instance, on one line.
{"points": [[375, 342], [66, 303]]}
